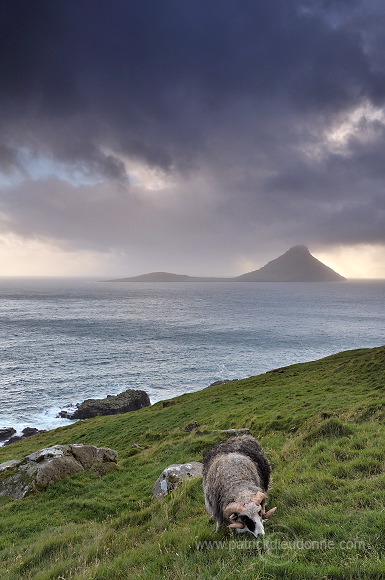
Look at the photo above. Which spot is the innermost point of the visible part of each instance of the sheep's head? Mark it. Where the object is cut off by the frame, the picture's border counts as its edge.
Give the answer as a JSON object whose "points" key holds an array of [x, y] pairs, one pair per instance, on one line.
{"points": [[248, 517]]}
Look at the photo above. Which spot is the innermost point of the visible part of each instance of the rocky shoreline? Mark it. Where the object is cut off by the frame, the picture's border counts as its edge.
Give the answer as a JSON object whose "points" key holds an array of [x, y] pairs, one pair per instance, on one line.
{"points": [[125, 402], [8, 434], [129, 400]]}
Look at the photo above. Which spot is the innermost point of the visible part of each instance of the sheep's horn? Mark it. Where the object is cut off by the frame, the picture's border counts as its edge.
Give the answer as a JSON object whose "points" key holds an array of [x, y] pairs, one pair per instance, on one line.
{"points": [[259, 497], [237, 525], [235, 507], [269, 513]]}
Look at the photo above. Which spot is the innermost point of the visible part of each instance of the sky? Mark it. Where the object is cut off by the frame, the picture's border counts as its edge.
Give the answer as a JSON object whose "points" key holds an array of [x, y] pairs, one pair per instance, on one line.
{"points": [[201, 137]]}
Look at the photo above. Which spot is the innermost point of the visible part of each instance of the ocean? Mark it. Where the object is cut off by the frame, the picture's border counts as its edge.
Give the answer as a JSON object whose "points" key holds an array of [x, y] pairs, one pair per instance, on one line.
{"points": [[65, 340]]}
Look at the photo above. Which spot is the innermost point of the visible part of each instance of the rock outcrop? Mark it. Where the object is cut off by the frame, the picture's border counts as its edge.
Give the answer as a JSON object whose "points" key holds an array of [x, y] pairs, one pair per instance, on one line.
{"points": [[130, 400], [172, 477], [27, 432], [221, 382], [6, 433], [35, 472]]}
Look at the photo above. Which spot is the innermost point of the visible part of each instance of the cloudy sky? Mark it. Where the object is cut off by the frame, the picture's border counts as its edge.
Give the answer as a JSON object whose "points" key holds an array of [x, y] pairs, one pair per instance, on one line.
{"points": [[192, 136]]}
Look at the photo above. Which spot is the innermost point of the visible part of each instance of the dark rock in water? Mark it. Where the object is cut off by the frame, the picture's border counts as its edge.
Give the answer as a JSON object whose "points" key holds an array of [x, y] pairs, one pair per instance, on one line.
{"points": [[13, 439], [27, 432], [130, 400], [20, 477], [6, 433]]}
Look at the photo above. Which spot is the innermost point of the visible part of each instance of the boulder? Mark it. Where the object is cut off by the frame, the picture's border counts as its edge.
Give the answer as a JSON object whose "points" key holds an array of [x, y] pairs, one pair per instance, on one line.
{"points": [[172, 476], [130, 400], [6, 433], [168, 403], [29, 431], [35, 472]]}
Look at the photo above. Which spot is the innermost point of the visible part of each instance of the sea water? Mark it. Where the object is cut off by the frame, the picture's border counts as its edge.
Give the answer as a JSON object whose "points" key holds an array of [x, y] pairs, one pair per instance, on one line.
{"points": [[65, 340]]}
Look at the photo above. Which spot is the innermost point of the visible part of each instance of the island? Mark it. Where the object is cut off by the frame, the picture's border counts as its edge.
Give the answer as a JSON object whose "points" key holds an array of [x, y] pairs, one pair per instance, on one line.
{"points": [[295, 265]]}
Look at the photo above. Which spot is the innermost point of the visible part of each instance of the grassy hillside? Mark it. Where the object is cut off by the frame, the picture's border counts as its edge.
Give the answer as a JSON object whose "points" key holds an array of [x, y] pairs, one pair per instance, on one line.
{"points": [[322, 427]]}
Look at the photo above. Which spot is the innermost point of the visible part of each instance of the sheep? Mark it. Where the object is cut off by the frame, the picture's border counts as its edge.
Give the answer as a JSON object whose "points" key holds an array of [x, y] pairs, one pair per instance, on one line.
{"points": [[236, 476]]}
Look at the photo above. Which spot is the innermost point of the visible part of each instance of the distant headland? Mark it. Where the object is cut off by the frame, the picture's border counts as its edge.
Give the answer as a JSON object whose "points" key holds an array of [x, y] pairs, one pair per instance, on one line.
{"points": [[295, 265]]}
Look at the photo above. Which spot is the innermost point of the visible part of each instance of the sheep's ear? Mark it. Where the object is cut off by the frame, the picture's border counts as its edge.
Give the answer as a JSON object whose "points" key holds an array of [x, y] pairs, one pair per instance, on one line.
{"points": [[269, 513]]}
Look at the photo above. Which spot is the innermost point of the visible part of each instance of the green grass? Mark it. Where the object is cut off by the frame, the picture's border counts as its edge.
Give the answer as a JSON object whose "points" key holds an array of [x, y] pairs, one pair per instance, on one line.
{"points": [[322, 427]]}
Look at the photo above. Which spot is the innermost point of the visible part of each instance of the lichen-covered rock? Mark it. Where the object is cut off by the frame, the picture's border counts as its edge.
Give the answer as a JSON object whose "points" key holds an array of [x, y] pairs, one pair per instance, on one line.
{"points": [[173, 475], [35, 472], [130, 400]]}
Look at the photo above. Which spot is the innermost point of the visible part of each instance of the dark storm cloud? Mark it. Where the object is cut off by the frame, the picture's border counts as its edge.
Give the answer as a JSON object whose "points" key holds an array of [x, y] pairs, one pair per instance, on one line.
{"points": [[8, 159], [232, 99]]}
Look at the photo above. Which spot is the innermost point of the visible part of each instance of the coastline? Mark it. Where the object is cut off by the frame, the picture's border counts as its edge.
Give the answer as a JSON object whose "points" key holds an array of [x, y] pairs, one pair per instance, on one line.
{"points": [[67, 340]]}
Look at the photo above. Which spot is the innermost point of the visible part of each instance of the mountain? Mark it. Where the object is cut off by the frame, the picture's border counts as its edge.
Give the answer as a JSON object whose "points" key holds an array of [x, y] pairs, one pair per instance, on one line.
{"points": [[295, 265]]}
